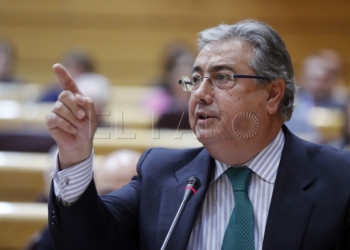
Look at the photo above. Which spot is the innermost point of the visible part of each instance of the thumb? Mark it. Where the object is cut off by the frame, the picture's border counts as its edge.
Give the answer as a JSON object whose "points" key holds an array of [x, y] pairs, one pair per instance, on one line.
{"points": [[65, 79]]}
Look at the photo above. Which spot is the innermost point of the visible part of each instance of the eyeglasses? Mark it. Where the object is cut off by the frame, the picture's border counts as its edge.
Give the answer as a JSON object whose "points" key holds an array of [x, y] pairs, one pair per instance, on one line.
{"points": [[222, 81]]}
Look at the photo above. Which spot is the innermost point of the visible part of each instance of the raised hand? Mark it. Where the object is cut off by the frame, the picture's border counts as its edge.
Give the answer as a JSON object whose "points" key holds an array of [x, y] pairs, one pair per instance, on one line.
{"points": [[72, 122]]}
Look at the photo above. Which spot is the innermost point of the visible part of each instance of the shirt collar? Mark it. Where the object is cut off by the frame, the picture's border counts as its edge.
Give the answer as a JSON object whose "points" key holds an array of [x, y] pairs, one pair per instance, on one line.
{"points": [[264, 164]]}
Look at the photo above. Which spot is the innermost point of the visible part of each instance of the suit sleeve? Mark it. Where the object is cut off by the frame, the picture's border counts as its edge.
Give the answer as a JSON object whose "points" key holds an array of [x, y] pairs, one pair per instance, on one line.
{"points": [[347, 229], [93, 222]]}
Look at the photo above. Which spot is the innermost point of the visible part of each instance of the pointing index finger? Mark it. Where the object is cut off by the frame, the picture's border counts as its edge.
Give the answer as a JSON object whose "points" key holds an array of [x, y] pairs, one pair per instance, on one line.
{"points": [[65, 79]]}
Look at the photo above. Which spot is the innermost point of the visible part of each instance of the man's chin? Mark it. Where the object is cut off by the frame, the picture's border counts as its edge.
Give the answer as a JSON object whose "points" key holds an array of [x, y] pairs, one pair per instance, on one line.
{"points": [[206, 136]]}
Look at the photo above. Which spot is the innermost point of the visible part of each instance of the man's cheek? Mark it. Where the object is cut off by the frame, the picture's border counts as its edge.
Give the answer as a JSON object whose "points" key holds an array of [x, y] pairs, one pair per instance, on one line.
{"points": [[246, 124]]}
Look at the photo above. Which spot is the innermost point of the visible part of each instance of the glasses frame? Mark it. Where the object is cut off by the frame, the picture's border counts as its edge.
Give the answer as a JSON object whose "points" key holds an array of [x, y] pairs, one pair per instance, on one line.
{"points": [[232, 76]]}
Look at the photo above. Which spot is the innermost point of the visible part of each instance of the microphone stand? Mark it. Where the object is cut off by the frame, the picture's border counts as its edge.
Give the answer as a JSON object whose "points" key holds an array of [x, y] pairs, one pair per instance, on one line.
{"points": [[178, 214], [193, 184]]}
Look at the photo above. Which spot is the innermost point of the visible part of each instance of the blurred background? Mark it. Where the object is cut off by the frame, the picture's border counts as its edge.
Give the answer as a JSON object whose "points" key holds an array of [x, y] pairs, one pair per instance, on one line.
{"points": [[128, 56], [127, 37]]}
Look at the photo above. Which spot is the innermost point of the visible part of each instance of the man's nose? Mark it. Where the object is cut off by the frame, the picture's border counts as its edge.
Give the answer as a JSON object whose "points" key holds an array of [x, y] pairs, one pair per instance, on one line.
{"points": [[205, 91]]}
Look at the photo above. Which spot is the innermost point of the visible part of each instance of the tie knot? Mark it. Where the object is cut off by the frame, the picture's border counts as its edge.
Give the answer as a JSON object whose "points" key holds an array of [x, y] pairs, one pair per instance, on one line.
{"points": [[239, 178]]}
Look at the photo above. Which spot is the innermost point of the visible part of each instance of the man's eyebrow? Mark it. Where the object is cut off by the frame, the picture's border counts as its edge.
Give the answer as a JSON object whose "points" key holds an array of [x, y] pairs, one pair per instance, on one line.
{"points": [[214, 68], [196, 69], [221, 67]]}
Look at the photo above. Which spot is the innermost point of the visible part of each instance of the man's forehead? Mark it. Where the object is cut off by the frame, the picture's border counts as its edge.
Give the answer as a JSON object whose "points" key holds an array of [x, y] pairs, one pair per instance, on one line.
{"points": [[223, 55], [226, 44]]}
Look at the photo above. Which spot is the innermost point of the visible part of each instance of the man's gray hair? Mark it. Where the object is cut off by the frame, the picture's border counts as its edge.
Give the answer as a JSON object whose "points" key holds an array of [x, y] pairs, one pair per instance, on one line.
{"points": [[271, 58]]}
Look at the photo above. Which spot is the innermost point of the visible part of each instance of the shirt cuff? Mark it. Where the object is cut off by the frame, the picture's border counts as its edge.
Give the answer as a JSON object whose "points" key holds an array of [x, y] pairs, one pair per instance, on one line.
{"points": [[70, 183]]}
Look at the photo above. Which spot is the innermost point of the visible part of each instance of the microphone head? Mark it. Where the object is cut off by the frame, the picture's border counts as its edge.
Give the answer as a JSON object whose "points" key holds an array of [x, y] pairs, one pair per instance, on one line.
{"points": [[193, 182]]}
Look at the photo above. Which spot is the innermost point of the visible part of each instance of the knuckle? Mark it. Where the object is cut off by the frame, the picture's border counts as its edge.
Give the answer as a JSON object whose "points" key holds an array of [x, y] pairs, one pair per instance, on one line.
{"points": [[67, 126], [50, 119], [64, 95], [89, 101], [58, 106]]}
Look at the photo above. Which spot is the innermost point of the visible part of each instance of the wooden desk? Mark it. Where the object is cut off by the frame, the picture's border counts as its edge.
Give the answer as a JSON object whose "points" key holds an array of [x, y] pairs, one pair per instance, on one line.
{"points": [[109, 139], [130, 95], [22, 175], [14, 115], [19, 221], [128, 114], [21, 92], [124, 107]]}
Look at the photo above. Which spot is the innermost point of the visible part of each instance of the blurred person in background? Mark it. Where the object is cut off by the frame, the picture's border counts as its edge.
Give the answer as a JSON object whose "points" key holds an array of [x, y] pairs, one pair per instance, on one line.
{"points": [[347, 127], [78, 62], [7, 63], [98, 88], [318, 116], [318, 82], [115, 171], [340, 91], [169, 102]]}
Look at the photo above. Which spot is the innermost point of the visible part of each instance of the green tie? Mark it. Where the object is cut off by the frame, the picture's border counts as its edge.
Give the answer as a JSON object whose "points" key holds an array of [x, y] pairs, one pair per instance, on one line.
{"points": [[239, 234]]}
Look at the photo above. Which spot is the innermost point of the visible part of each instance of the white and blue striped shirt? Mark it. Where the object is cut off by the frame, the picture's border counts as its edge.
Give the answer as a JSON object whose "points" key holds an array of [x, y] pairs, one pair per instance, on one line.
{"points": [[70, 183], [209, 229]]}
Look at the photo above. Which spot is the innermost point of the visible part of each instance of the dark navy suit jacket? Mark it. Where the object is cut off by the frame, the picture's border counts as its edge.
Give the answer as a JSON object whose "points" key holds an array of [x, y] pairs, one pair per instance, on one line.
{"points": [[310, 206]]}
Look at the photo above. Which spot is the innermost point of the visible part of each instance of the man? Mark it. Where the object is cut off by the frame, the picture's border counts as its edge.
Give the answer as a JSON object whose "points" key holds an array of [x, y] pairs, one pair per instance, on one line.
{"points": [[7, 63], [242, 91]]}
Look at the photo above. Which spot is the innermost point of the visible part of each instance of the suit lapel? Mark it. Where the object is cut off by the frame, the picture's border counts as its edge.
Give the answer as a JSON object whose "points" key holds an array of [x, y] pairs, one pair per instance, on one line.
{"points": [[172, 196], [291, 205]]}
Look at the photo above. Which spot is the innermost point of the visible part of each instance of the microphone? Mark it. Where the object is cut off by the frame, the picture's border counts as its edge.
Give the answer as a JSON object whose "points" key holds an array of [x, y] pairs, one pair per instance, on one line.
{"points": [[191, 188]]}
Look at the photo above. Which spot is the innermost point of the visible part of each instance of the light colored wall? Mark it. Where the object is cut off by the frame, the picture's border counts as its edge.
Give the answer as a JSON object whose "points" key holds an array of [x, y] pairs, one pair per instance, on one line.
{"points": [[127, 37]]}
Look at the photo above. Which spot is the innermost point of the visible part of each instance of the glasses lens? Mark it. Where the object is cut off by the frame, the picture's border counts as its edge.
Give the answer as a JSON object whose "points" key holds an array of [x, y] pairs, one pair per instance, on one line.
{"points": [[223, 81], [222, 78], [186, 83], [187, 87], [196, 79]]}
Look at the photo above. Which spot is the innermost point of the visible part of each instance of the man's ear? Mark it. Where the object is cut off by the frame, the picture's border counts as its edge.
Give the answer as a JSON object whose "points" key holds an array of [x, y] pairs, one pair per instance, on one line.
{"points": [[275, 93]]}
